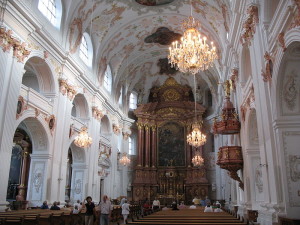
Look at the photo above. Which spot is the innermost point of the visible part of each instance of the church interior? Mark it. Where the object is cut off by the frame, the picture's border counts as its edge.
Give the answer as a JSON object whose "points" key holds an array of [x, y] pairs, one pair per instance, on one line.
{"points": [[152, 99]]}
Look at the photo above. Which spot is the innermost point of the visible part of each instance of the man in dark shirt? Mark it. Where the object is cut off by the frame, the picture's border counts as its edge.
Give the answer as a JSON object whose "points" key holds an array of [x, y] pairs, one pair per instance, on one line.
{"points": [[45, 205], [54, 206], [90, 208]]}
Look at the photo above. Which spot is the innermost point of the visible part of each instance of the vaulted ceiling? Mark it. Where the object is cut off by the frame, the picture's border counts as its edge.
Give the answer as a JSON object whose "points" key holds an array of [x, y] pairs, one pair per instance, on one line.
{"points": [[118, 29]]}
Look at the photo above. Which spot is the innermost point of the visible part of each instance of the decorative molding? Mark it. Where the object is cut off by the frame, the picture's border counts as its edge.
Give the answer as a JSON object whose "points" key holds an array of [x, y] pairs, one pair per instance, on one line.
{"points": [[249, 25], [281, 41], [294, 161], [290, 91], [296, 20], [258, 179], [292, 174], [77, 188], [126, 135], [267, 73], [51, 122], [66, 88], [37, 179], [234, 77], [116, 129], [8, 42], [97, 113], [21, 107]]}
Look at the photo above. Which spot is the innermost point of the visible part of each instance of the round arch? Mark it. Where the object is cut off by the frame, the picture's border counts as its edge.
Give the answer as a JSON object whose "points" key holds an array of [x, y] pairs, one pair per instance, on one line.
{"points": [[39, 75], [81, 107]]}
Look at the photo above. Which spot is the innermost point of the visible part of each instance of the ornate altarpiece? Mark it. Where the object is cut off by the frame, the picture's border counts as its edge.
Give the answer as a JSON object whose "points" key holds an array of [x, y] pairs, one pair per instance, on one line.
{"points": [[164, 168]]}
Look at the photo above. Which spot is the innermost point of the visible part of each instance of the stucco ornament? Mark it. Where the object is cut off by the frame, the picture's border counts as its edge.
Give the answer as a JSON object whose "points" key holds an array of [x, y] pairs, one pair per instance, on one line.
{"points": [[37, 180], [295, 167], [258, 179], [290, 91], [77, 188]]}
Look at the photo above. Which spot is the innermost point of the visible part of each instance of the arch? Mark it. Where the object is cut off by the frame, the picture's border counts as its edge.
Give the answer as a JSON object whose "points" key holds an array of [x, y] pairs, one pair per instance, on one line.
{"points": [[38, 131], [251, 129], [288, 83], [39, 77], [245, 65], [80, 107], [105, 127], [39, 134]]}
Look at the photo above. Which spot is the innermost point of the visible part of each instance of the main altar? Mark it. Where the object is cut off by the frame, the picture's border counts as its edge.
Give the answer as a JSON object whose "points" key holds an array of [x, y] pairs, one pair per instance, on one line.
{"points": [[164, 169]]}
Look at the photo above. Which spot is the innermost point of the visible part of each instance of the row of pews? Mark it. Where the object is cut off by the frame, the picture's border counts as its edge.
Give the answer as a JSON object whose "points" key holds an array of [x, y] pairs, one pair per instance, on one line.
{"points": [[59, 217], [188, 216]]}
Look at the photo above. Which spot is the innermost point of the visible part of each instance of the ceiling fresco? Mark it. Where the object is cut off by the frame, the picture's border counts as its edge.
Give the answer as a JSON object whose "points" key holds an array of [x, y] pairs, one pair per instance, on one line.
{"points": [[131, 37], [154, 2]]}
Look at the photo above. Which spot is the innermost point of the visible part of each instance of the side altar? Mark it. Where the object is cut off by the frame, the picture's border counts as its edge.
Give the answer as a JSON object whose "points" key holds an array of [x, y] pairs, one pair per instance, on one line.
{"points": [[164, 169]]}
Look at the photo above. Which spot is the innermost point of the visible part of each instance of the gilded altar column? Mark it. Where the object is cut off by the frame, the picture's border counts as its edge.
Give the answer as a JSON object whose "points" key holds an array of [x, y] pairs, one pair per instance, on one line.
{"points": [[153, 145], [140, 143], [22, 187], [147, 145]]}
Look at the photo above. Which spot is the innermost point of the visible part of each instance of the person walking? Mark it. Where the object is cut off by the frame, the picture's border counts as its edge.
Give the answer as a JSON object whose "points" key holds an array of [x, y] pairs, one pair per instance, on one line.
{"points": [[105, 210], [125, 210]]}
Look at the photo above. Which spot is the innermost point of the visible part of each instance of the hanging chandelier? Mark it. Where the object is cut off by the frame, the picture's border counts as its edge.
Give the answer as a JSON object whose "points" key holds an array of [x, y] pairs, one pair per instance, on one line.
{"points": [[192, 53], [197, 160], [196, 138], [124, 160], [83, 140]]}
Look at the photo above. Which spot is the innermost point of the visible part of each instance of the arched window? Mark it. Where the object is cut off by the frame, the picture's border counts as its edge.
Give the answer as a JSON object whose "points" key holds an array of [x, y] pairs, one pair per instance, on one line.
{"points": [[86, 50], [83, 52], [52, 10], [121, 97], [132, 100], [108, 79], [131, 150]]}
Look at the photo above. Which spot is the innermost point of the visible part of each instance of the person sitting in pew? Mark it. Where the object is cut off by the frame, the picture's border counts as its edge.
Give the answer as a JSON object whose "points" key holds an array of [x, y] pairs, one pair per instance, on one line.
{"points": [[181, 206], [174, 206], [54, 206], [218, 209], [193, 206], [208, 208], [165, 208], [45, 205], [75, 210]]}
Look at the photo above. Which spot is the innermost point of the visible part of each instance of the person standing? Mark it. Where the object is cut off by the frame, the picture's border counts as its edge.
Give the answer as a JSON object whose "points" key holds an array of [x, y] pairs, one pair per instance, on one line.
{"points": [[90, 210], [155, 205], [105, 210], [125, 211]]}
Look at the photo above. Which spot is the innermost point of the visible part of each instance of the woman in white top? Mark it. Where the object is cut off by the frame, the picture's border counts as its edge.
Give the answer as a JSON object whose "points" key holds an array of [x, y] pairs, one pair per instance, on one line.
{"points": [[125, 211], [208, 209]]}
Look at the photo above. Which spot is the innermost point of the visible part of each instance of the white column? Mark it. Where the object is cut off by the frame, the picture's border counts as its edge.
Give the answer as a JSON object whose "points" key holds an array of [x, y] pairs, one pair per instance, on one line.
{"points": [[10, 81], [94, 132], [60, 148]]}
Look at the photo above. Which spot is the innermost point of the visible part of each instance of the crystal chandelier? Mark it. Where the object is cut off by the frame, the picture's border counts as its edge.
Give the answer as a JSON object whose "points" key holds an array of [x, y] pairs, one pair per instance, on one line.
{"points": [[197, 160], [124, 160], [196, 138], [83, 140], [192, 53]]}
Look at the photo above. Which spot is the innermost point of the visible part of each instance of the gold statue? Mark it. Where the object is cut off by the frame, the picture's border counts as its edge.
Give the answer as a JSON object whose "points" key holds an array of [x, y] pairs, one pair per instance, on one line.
{"points": [[227, 85]]}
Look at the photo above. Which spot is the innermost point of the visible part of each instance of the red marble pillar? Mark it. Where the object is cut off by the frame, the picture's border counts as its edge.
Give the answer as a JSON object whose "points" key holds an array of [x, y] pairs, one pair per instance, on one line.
{"points": [[153, 145], [140, 143], [147, 145]]}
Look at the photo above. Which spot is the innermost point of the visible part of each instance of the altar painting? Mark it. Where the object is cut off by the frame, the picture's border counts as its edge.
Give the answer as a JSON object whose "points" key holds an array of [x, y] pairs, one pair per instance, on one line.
{"points": [[171, 145]]}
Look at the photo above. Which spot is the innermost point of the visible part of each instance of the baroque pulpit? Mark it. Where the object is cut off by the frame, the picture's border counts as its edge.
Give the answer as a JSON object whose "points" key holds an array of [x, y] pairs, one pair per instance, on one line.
{"points": [[164, 169]]}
